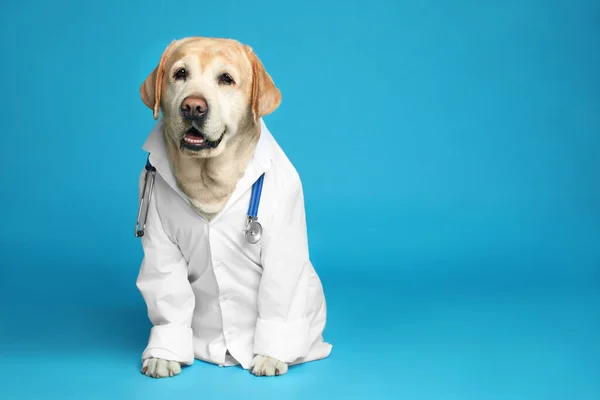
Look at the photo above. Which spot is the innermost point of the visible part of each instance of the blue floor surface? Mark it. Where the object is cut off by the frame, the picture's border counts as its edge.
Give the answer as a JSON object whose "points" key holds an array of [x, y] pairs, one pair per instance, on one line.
{"points": [[412, 337]]}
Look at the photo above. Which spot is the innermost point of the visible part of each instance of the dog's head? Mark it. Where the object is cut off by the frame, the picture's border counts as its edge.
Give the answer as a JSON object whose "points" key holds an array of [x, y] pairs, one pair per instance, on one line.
{"points": [[208, 89]]}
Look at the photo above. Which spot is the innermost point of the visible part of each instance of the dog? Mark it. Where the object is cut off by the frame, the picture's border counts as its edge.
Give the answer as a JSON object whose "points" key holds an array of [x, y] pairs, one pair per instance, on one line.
{"points": [[212, 295]]}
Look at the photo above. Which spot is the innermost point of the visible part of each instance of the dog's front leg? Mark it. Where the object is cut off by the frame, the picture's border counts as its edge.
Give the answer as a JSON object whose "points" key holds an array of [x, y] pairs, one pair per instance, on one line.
{"points": [[281, 334], [164, 285]]}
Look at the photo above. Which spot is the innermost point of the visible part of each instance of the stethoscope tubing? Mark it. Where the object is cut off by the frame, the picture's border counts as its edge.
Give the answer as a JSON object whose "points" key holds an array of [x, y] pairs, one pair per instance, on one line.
{"points": [[253, 230]]}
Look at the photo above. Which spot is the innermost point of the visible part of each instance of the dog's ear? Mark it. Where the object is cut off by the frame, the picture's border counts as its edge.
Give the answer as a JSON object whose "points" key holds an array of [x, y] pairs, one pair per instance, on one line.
{"points": [[147, 92], [151, 89], [265, 95]]}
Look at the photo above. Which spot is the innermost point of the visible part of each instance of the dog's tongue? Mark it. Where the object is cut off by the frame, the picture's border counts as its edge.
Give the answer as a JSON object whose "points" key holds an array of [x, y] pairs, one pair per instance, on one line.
{"points": [[193, 138]]}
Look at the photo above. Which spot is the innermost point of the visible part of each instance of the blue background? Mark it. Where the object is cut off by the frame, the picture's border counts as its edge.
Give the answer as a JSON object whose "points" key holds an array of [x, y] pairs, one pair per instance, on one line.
{"points": [[449, 154]]}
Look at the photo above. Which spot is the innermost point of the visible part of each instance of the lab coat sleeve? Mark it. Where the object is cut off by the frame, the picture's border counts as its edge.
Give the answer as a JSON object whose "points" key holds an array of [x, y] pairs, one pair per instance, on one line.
{"points": [[164, 285], [282, 326]]}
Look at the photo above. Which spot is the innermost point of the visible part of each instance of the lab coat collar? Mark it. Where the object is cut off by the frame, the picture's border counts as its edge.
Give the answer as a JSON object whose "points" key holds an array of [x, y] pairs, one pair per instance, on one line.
{"points": [[260, 162]]}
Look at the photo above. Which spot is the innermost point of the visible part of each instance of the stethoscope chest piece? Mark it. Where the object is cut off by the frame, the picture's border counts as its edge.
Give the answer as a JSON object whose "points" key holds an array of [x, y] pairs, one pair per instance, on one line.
{"points": [[254, 229], [253, 232]]}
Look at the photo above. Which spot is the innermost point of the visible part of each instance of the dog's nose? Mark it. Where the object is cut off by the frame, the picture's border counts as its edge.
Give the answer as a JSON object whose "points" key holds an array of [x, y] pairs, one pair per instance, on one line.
{"points": [[193, 107]]}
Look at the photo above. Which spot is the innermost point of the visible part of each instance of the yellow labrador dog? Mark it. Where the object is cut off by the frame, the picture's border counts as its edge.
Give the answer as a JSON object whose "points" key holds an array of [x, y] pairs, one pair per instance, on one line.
{"points": [[212, 295]]}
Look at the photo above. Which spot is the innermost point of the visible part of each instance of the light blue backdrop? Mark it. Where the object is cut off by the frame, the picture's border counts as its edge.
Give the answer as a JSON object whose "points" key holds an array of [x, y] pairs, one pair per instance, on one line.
{"points": [[452, 139]]}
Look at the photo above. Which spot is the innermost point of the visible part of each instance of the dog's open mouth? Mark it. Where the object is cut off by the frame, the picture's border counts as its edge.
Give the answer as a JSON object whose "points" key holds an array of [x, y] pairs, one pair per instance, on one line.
{"points": [[196, 141]]}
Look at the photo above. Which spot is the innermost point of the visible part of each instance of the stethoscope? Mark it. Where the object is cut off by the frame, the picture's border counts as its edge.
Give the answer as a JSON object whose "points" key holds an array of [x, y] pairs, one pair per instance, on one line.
{"points": [[253, 231]]}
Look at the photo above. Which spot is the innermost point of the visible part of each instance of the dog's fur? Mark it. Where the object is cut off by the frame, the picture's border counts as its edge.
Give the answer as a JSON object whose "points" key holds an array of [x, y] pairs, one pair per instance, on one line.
{"points": [[209, 176]]}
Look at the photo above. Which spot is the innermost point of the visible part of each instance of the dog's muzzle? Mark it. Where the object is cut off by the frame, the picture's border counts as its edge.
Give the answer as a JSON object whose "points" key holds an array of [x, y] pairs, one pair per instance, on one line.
{"points": [[195, 140]]}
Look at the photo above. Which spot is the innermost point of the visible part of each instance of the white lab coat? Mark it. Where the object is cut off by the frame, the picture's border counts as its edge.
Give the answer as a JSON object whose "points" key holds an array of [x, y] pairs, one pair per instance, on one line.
{"points": [[209, 292]]}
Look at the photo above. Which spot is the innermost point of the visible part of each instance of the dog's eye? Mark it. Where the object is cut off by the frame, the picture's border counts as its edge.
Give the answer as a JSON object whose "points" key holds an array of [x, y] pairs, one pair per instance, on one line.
{"points": [[181, 73], [226, 79]]}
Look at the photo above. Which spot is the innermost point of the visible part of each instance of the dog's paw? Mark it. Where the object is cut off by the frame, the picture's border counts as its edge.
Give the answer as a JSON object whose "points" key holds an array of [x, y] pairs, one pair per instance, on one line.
{"points": [[159, 368], [268, 366]]}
